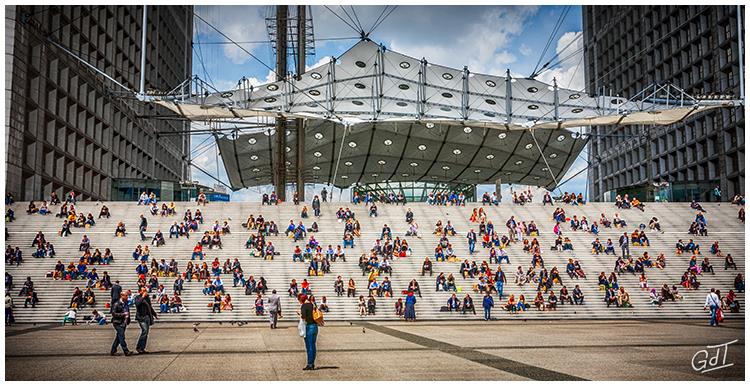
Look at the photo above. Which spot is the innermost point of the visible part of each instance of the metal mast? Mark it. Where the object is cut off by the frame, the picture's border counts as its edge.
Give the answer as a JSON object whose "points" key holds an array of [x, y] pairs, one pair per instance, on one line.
{"points": [[282, 13]]}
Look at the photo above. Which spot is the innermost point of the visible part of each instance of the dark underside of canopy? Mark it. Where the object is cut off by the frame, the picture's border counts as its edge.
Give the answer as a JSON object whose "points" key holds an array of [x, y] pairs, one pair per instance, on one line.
{"points": [[402, 151]]}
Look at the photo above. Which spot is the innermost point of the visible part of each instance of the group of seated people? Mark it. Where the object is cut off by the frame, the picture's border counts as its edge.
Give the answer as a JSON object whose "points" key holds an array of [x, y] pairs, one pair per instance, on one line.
{"points": [[445, 199], [523, 197], [147, 198], [571, 198], [699, 227], [619, 297], [488, 199], [464, 305], [625, 202], [14, 255], [211, 240]]}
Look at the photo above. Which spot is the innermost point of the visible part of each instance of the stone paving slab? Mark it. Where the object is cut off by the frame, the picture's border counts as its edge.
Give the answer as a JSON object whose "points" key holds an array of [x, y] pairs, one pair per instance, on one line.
{"points": [[539, 350]]}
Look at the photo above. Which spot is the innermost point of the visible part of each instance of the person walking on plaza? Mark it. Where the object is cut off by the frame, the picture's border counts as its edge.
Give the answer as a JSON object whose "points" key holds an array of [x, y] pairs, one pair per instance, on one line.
{"points": [[142, 227], [145, 315], [115, 293], [311, 331], [625, 245], [9, 319], [487, 304], [274, 308], [120, 321], [316, 206], [324, 194], [713, 303], [409, 313]]}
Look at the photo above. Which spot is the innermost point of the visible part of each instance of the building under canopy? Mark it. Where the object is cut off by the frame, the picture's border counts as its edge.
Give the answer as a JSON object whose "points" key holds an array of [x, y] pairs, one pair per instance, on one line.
{"points": [[373, 115]]}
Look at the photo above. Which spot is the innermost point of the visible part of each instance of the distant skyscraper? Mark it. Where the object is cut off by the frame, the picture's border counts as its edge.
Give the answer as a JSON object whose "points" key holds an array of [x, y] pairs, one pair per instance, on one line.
{"points": [[627, 48], [65, 129]]}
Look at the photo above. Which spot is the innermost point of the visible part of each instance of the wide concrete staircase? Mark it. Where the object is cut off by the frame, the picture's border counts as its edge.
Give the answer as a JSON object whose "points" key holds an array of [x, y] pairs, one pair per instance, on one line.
{"points": [[675, 219]]}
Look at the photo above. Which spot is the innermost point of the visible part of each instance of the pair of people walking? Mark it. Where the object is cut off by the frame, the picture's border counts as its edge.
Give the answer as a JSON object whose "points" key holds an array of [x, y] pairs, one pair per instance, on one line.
{"points": [[145, 315]]}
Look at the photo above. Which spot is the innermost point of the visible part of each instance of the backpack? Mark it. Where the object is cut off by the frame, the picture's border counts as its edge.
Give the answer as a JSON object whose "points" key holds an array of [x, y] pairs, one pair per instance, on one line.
{"points": [[318, 316]]}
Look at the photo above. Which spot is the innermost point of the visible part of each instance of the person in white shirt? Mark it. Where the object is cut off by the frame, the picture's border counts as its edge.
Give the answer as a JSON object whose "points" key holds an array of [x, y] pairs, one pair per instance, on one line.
{"points": [[70, 316], [713, 303]]}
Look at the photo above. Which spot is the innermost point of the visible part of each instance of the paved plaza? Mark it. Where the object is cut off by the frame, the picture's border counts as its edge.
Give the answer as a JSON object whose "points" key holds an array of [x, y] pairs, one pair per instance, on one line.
{"points": [[518, 350]]}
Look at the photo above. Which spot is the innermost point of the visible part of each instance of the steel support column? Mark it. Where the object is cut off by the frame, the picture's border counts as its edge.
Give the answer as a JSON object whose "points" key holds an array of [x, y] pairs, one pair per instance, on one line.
{"points": [[301, 54], [282, 13]]}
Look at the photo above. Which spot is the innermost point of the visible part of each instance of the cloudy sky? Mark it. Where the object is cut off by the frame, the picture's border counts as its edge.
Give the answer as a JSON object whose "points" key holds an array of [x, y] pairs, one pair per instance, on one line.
{"points": [[487, 39]]}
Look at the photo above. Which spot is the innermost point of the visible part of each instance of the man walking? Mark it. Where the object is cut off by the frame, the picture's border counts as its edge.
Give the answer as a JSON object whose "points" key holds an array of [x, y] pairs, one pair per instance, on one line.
{"points": [[274, 308], [487, 304], [120, 321], [625, 245], [145, 315], [115, 293], [472, 238], [713, 302], [316, 206], [142, 227], [324, 194]]}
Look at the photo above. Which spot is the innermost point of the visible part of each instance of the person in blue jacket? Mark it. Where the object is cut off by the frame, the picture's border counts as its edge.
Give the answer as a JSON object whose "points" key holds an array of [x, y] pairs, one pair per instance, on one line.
{"points": [[487, 304]]}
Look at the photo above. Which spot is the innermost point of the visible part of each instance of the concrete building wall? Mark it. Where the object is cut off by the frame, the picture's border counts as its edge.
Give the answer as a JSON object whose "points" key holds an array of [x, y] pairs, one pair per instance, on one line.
{"points": [[69, 128], [628, 48]]}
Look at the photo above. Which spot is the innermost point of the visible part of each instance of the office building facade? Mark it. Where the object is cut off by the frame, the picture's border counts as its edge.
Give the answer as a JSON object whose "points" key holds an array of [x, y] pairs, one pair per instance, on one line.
{"points": [[70, 128], [696, 47]]}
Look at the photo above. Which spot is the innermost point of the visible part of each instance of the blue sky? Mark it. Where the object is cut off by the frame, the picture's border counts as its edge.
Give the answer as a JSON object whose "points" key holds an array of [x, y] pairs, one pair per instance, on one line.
{"points": [[487, 39]]}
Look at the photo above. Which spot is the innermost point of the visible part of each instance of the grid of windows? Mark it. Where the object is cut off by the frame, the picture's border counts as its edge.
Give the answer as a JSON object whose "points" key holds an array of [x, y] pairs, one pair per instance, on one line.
{"points": [[66, 130], [628, 48]]}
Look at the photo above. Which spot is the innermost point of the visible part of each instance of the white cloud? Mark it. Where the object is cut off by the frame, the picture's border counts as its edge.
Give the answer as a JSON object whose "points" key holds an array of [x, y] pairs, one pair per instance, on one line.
{"points": [[483, 46], [569, 73], [240, 23], [525, 50]]}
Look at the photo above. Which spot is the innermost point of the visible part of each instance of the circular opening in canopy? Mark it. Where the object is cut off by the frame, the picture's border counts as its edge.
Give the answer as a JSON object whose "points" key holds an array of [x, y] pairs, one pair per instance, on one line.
{"points": [[360, 64], [318, 136], [316, 75], [252, 141], [358, 103], [272, 87], [318, 154], [447, 76], [269, 100], [490, 156], [490, 83], [532, 89], [387, 142], [576, 110], [533, 107], [404, 65], [314, 92], [490, 101], [502, 135], [403, 86], [422, 147], [352, 144], [360, 86], [447, 95]]}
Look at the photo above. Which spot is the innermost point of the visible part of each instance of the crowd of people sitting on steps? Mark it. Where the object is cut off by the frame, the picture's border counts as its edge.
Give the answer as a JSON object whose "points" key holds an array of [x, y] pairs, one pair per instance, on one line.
{"points": [[378, 263]]}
